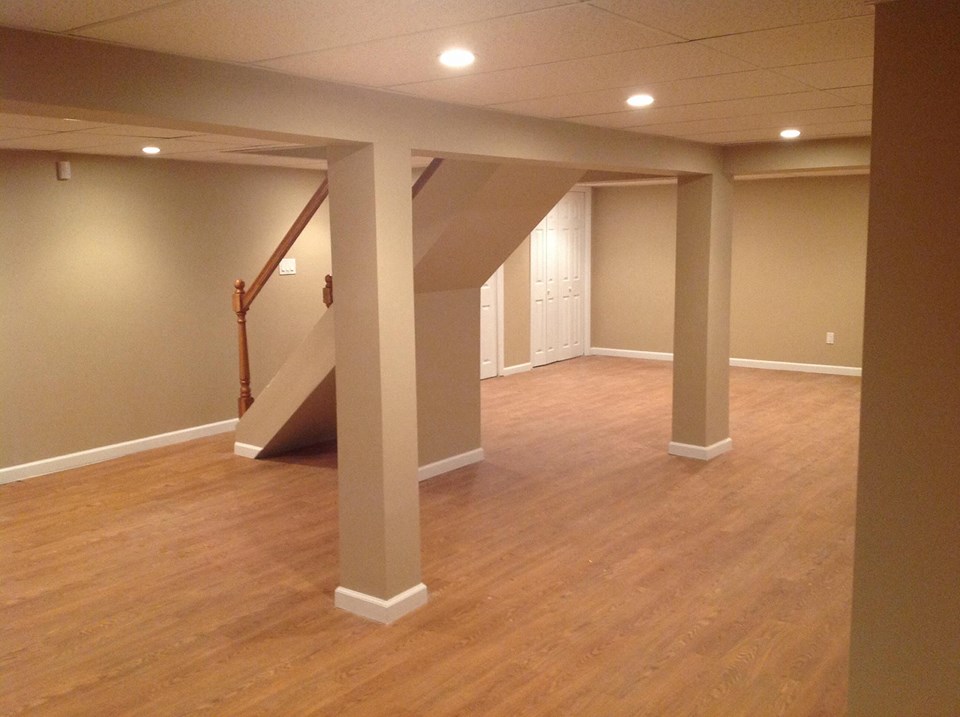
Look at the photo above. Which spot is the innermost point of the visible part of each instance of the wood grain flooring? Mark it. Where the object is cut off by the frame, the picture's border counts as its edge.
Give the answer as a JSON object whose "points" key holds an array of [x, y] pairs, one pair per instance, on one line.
{"points": [[579, 570]]}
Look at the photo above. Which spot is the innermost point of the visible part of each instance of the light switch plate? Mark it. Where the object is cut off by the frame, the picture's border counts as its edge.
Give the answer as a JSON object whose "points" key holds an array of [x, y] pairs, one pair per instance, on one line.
{"points": [[288, 266]]}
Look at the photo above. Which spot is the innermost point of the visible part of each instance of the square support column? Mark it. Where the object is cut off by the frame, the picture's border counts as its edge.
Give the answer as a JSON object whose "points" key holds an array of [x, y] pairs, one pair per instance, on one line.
{"points": [[372, 255], [905, 631], [701, 344]]}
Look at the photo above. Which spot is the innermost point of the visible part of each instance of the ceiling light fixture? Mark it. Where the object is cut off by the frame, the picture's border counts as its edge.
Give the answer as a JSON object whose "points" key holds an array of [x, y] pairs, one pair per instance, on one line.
{"points": [[151, 150], [457, 57], [790, 133], [640, 100]]}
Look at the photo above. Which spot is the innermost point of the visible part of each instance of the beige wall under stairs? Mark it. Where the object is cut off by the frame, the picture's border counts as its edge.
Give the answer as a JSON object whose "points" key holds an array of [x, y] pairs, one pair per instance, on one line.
{"points": [[467, 220]]}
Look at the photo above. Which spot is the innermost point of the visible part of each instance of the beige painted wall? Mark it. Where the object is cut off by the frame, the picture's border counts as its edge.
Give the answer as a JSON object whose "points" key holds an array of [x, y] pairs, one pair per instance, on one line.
{"points": [[516, 306], [798, 268], [115, 318], [634, 239], [58, 237], [448, 373], [799, 261]]}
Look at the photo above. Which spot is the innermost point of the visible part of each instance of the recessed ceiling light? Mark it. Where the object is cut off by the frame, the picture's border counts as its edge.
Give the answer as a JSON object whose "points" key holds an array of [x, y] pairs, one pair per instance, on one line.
{"points": [[151, 150], [790, 133], [640, 100], [457, 57]]}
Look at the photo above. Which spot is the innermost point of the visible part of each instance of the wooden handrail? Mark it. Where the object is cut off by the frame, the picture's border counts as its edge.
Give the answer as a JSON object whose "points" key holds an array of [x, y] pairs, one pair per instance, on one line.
{"points": [[243, 297], [284, 246], [246, 399], [426, 174], [328, 291]]}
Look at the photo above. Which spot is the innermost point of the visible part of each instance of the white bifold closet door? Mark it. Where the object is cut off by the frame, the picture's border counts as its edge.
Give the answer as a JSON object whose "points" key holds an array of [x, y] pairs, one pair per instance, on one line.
{"points": [[557, 282]]}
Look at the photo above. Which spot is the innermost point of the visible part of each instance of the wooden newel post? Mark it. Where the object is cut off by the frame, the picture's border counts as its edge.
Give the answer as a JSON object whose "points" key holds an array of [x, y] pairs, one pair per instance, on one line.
{"points": [[328, 291], [243, 403]]}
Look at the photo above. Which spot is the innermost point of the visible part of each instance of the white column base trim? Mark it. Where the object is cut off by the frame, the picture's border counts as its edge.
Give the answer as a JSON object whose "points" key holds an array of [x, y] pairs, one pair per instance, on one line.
{"points": [[630, 353], [378, 609], [802, 367], [702, 453], [518, 368], [449, 464], [246, 450], [106, 453]]}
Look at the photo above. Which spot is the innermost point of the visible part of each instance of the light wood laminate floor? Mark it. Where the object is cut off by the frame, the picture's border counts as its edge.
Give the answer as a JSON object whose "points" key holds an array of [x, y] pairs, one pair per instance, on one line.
{"points": [[579, 570]]}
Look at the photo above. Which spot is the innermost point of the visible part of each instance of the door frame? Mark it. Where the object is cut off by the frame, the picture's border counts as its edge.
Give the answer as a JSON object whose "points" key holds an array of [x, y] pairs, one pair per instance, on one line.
{"points": [[498, 317]]}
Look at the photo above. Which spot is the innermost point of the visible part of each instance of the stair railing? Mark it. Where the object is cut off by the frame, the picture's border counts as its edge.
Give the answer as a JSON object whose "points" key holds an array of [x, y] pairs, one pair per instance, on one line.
{"points": [[243, 297]]}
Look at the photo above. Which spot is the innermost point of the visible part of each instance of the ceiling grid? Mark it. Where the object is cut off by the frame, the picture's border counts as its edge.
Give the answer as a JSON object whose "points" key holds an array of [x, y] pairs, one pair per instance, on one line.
{"points": [[721, 71]]}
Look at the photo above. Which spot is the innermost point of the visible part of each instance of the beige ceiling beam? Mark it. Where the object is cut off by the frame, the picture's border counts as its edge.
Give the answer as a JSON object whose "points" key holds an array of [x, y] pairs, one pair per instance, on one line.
{"points": [[65, 76], [848, 154]]}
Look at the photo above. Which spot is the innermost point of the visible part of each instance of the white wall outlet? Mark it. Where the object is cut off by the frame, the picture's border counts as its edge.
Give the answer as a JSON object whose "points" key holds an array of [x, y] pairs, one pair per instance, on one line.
{"points": [[831, 339], [288, 266]]}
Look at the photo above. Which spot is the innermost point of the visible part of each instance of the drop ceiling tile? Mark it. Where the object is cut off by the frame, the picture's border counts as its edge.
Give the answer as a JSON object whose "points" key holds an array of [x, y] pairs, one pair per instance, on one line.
{"points": [[265, 29], [860, 128], [736, 137], [714, 19], [46, 124], [838, 73], [802, 120], [573, 105], [19, 133], [121, 130], [649, 116], [57, 141], [860, 95], [235, 158], [737, 85], [132, 146], [536, 57], [634, 68], [840, 129], [500, 43], [235, 142], [804, 44], [59, 16]]}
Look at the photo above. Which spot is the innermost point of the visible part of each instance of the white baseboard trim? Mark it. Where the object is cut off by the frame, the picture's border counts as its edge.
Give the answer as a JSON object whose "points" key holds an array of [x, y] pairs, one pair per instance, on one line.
{"points": [[518, 368], [106, 453], [802, 367], [377, 609], [449, 464], [702, 453], [629, 353], [246, 450], [740, 362]]}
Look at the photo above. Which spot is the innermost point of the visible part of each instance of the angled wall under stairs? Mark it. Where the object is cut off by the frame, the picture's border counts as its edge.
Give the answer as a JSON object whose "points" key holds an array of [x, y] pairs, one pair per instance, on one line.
{"points": [[467, 219], [298, 407]]}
